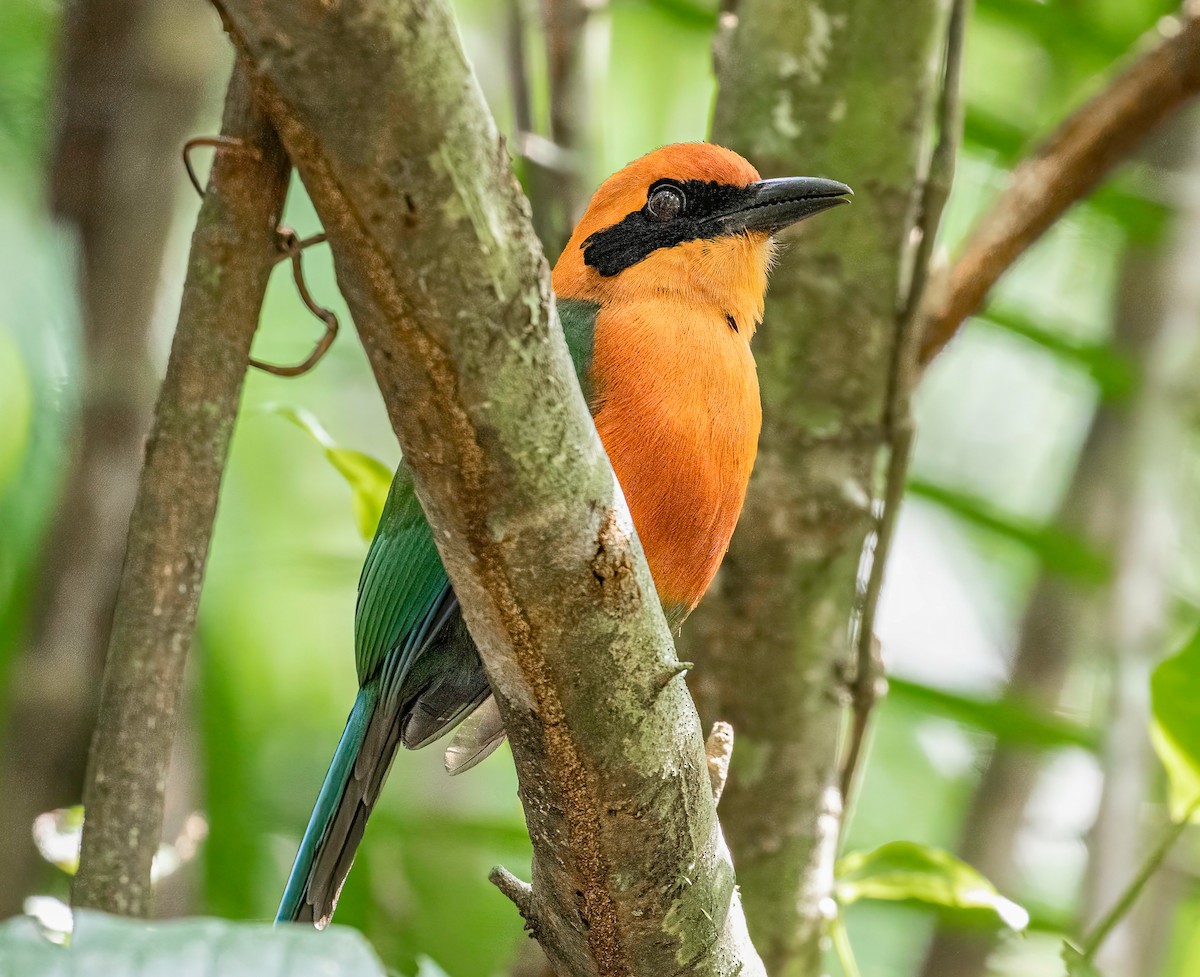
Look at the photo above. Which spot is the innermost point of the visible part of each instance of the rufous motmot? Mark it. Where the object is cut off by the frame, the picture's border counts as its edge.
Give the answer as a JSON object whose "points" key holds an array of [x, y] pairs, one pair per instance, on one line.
{"points": [[659, 291]]}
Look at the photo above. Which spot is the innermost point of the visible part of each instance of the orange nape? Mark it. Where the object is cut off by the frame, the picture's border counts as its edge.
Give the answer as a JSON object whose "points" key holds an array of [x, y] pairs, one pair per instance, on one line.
{"points": [[674, 387]]}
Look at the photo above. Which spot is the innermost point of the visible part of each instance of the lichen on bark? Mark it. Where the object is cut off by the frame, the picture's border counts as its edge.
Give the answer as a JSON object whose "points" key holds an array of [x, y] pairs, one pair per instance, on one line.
{"points": [[842, 89]]}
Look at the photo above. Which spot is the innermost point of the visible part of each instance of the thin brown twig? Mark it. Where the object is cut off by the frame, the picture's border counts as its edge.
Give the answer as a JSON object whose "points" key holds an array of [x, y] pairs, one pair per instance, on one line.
{"points": [[290, 246], [227, 144], [1068, 166], [868, 683]]}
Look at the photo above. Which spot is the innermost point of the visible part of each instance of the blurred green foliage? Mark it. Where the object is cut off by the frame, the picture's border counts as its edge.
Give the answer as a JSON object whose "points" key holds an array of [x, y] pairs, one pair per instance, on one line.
{"points": [[1000, 420]]}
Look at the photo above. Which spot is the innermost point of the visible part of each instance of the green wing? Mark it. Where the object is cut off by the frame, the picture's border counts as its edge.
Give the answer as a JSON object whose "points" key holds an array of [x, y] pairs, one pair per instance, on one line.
{"points": [[402, 580], [419, 672], [579, 325], [403, 592]]}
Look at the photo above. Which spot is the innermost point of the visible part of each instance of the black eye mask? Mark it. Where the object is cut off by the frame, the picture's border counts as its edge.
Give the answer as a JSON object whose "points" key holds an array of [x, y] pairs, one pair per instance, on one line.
{"points": [[709, 211], [638, 234]]}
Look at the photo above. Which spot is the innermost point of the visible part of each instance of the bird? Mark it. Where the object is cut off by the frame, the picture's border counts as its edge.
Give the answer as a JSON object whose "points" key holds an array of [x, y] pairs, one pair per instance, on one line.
{"points": [[659, 291]]}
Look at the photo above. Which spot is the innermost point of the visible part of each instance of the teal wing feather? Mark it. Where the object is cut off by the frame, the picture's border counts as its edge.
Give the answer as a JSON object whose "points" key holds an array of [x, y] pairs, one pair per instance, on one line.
{"points": [[402, 581], [418, 670], [579, 326]]}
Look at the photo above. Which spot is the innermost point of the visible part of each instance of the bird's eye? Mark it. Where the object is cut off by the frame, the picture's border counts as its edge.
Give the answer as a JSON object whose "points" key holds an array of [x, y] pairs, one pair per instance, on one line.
{"points": [[665, 203]]}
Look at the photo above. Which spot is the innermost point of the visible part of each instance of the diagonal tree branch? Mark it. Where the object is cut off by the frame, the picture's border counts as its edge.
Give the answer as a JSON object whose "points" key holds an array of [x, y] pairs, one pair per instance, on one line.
{"points": [[437, 259], [1068, 166], [123, 105], [233, 251]]}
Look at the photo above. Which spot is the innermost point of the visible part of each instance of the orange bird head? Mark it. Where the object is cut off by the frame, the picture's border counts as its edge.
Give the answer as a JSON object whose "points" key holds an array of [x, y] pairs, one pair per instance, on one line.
{"points": [[692, 222]]}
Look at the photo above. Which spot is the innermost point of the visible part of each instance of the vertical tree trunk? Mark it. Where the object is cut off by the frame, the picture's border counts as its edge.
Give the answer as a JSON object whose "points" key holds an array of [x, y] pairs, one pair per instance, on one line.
{"points": [[125, 102], [843, 89], [233, 251]]}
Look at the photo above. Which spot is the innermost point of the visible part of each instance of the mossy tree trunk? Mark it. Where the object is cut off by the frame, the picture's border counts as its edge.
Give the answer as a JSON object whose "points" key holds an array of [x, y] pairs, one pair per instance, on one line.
{"points": [[844, 89]]}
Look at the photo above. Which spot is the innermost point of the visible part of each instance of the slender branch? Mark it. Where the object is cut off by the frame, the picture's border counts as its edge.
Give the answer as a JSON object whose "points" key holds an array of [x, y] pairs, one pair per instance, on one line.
{"points": [[868, 682], [233, 251], [518, 66], [1068, 166], [445, 279], [123, 105], [843, 948], [1091, 943], [566, 26]]}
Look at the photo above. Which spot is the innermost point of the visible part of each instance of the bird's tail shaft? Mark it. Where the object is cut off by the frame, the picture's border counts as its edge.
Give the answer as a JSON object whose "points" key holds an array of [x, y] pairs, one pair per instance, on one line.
{"points": [[351, 786]]}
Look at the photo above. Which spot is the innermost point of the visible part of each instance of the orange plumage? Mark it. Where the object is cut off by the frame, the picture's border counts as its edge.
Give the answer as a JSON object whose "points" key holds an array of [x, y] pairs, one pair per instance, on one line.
{"points": [[674, 384]]}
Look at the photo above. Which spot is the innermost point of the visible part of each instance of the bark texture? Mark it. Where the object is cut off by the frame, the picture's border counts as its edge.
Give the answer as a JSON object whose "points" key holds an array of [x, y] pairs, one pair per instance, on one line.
{"points": [[233, 251], [842, 89], [125, 101], [437, 259]]}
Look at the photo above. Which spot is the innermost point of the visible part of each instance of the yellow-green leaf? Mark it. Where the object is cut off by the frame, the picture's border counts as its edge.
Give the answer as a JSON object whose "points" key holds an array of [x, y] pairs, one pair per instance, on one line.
{"points": [[368, 477], [903, 871], [1175, 726]]}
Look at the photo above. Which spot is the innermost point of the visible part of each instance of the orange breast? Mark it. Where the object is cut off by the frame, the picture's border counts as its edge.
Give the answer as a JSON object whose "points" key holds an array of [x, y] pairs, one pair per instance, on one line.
{"points": [[676, 402]]}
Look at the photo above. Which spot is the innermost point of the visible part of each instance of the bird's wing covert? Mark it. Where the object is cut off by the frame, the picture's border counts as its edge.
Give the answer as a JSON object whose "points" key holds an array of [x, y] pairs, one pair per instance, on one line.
{"points": [[578, 320], [404, 588], [403, 582]]}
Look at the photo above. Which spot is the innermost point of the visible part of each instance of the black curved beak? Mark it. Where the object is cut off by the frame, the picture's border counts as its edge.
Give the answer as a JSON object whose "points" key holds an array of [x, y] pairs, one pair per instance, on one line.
{"points": [[772, 205]]}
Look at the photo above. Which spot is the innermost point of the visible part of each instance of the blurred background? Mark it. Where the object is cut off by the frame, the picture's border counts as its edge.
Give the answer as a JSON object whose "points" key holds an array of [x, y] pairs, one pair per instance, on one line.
{"points": [[1045, 558]]}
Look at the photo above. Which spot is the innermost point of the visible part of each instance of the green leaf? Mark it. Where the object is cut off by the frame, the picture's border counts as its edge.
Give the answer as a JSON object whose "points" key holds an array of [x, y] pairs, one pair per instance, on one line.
{"points": [[1077, 964], [903, 871], [1175, 726], [369, 478], [117, 947]]}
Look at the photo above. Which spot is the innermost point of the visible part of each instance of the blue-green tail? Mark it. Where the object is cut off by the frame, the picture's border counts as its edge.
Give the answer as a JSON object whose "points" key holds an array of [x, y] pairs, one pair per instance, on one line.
{"points": [[335, 828]]}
